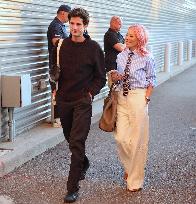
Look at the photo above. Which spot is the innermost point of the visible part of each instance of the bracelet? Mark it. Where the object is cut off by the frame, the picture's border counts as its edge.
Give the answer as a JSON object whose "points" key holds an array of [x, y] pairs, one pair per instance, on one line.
{"points": [[148, 99]]}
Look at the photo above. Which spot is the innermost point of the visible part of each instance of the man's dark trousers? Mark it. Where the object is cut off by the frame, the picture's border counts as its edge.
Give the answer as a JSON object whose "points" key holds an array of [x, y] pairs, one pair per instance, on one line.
{"points": [[75, 119]]}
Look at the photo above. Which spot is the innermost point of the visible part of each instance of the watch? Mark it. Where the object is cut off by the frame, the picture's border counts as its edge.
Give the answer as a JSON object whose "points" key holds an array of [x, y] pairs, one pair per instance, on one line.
{"points": [[147, 99]]}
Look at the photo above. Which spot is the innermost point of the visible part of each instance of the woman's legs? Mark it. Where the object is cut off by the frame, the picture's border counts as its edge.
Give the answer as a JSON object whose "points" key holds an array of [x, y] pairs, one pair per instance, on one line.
{"points": [[132, 135]]}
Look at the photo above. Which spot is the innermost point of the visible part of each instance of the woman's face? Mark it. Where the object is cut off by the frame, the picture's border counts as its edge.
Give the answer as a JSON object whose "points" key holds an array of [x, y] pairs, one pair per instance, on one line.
{"points": [[131, 40]]}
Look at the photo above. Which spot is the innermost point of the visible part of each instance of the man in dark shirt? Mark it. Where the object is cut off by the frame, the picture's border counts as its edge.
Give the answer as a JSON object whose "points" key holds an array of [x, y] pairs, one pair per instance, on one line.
{"points": [[57, 30], [82, 76], [113, 44]]}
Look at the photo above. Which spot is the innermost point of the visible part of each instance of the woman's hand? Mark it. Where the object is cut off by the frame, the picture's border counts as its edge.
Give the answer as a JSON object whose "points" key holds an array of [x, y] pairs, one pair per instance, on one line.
{"points": [[115, 76], [148, 93], [147, 99]]}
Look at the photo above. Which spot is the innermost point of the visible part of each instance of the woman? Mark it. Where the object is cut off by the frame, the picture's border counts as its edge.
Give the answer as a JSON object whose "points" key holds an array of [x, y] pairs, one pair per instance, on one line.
{"points": [[136, 78]]}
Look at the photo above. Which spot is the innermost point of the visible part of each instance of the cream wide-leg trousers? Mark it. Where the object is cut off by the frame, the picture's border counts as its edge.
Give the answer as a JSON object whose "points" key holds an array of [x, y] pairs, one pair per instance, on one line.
{"points": [[132, 135]]}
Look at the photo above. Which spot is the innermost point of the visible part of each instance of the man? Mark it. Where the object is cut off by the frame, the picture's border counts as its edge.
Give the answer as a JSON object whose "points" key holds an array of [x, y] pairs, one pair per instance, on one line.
{"points": [[57, 30], [82, 76], [113, 44]]}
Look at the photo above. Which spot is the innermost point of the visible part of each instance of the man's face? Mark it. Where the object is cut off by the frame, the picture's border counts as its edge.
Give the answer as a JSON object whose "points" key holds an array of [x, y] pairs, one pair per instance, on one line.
{"points": [[77, 26], [64, 16], [118, 24]]}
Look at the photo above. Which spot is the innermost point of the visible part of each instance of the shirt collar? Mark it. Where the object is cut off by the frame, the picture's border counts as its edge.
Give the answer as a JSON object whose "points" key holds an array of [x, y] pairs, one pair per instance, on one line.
{"points": [[128, 51], [111, 30], [59, 21]]}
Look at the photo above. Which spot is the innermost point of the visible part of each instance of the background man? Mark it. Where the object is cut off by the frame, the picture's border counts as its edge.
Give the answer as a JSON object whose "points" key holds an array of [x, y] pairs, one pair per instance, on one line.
{"points": [[113, 44], [57, 30], [82, 76]]}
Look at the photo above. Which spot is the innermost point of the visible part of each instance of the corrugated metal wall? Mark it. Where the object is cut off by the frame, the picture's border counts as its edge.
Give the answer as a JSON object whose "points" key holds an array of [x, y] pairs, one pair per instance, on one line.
{"points": [[23, 44]]}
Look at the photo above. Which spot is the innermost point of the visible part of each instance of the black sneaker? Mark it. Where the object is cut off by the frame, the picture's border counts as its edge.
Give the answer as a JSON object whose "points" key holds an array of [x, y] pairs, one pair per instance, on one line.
{"points": [[71, 197], [85, 168]]}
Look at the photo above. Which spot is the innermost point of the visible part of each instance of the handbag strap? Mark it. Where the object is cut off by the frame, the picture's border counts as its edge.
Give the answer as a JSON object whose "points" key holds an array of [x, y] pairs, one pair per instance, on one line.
{"points": [[58, 50], [112, 88], [57, 61]]}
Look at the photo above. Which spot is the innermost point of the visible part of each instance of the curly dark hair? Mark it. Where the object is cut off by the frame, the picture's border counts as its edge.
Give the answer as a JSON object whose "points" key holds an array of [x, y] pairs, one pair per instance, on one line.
{"points": [[79, 12]]}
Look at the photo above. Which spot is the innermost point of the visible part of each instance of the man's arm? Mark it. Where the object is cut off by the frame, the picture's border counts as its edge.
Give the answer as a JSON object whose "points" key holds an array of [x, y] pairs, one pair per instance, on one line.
{"points": [[99, 78], [112, 40], [56, 33], [54, 40], [119, 47]]}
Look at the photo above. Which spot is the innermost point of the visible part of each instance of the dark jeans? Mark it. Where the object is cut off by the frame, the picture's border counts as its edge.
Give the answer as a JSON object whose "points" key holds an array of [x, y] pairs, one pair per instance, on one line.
{"points": [[75, 118], [56, 113]]}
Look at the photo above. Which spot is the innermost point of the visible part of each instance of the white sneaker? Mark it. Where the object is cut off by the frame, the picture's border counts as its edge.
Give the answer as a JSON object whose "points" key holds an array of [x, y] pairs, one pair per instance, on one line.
{"points": [[57, 123]]}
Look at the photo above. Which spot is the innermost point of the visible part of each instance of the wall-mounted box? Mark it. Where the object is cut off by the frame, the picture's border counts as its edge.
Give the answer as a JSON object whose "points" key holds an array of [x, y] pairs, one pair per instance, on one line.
{"points": [[16, 90]]}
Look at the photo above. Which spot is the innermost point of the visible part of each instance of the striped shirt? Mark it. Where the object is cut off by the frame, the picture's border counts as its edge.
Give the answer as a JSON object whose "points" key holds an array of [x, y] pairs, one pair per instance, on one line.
{"points": [[142, 69]]}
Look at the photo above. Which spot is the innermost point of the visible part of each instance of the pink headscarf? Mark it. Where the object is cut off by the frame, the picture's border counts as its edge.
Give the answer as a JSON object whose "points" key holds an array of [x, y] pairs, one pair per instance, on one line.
{"points": [[142, 36]]}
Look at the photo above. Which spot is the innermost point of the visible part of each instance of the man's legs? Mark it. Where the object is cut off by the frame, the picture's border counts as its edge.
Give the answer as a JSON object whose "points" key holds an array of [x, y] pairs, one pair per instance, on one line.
{"points": [[86, 165], [76, 119], [66, 115], [79, 132]]}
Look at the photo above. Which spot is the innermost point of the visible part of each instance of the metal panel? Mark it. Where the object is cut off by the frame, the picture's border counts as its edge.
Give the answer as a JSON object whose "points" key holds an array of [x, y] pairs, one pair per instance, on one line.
{"points": [[174, 53], [0, 103], [194, 49], [23, 44], [23, 50]]}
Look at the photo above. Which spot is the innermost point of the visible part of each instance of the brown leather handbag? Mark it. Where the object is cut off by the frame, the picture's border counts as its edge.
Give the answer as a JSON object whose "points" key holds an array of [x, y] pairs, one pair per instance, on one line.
{"points": [[54, 71], [107, 121]]}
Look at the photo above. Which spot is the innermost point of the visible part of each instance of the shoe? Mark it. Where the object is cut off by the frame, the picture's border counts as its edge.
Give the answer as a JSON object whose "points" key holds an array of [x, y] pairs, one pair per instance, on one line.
{"points": [[134, 190], [71, 197], [57, 123], [125, 176], [84, 170]]}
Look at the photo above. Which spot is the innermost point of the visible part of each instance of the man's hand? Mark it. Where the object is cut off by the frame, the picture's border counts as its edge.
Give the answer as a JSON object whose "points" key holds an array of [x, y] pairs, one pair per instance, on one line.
{"points": [[54, 40], [54, 92], [54, 97], [119, 47]]}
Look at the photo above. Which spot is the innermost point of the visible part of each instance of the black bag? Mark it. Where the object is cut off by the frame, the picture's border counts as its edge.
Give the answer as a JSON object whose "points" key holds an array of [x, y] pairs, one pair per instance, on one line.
{"points": [[55, 70], [107, 121]]}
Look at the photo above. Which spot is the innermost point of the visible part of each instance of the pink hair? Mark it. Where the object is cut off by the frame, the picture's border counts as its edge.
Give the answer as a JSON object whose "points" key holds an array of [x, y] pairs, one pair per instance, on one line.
{"points": [[142, 36]]}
